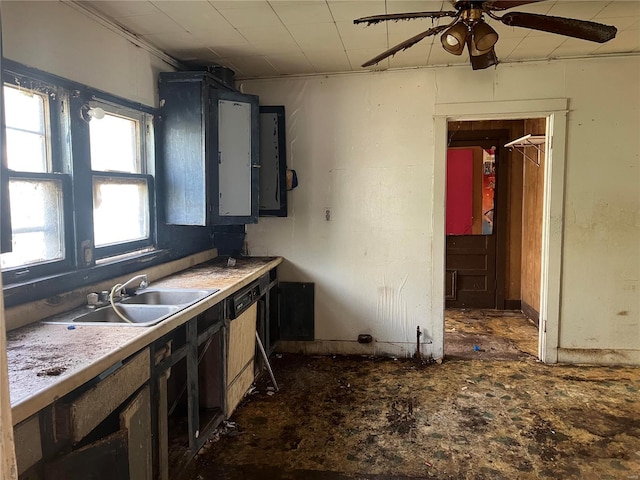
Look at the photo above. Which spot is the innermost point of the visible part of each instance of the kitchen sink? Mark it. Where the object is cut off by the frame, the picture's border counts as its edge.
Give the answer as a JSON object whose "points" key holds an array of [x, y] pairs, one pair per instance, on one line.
{"points": [[167, 296], [142, 315], [143, 309]]}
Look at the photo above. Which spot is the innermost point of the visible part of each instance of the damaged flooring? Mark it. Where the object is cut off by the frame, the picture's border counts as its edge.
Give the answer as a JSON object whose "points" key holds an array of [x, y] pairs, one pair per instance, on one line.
{"points": [[491, 412], [489, 334]]}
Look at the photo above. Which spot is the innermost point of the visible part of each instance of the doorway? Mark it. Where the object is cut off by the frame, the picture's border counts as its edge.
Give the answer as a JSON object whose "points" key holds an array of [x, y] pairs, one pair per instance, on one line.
{"points": [[555, 111], [476, 220], [493, 226]]}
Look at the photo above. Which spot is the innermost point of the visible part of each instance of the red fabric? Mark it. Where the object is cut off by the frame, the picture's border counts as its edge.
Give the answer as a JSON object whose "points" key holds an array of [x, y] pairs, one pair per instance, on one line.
{"points": [[459, 192]]}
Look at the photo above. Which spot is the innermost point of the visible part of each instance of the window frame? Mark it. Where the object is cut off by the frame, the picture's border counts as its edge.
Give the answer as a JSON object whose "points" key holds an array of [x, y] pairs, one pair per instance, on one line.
{"points": [[145, 157], [56, 115], [71, 163], [115, 249]]}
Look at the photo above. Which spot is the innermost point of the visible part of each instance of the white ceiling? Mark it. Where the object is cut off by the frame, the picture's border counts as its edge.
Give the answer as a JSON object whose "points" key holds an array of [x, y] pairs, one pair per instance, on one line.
{"points": [[259, 38]]}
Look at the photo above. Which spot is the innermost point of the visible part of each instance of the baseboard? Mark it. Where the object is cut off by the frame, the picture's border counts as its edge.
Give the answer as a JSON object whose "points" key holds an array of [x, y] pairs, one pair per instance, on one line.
{"points": [[588, 356], [512, 305], [348, 347], [531, 313]]}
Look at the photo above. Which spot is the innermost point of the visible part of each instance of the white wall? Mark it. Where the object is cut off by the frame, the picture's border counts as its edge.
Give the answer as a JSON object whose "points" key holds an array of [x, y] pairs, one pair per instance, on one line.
{"points": [[363, 147], [360, 145], [54, 37]]}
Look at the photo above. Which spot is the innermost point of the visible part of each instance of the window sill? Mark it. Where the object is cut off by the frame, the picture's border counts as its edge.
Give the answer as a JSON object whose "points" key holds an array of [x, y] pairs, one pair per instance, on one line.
{"points": [[45, 287]]}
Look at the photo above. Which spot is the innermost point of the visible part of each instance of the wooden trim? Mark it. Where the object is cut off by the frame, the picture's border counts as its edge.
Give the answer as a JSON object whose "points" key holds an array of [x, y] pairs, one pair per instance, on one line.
{"points": [[452, 289], [438, 240], [502, 110], [531, 313], [8, 468], [513, 305], [552, 236], [597, 356]]}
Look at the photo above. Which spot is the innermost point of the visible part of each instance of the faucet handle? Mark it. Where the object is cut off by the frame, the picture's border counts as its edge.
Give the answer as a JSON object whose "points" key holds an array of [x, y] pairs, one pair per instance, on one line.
{"points": [[92, 299]]}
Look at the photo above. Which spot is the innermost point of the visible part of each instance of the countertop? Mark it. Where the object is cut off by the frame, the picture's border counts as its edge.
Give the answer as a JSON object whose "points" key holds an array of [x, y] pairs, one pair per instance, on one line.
{"points": [[48, 361]]}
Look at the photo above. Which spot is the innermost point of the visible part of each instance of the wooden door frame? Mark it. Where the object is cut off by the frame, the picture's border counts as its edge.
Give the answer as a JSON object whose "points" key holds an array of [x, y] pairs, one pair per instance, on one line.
{"points": [[555, 111], [8, 467], [487, 139]]}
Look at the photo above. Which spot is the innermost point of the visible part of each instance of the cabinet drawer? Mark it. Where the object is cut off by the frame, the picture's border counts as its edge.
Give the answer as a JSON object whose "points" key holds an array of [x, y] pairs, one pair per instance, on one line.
{"points": [[76, 418]]}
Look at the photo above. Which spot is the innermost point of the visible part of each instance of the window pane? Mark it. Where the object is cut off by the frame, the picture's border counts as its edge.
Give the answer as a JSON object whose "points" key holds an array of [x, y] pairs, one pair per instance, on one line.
{"points": [[114, 144], [26, 152], [25, 109], [36, 222], [120, 210], [26, 127]]}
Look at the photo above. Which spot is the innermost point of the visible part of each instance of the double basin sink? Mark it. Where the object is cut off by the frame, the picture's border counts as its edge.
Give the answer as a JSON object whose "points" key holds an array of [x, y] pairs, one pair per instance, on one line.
{"points": [[145, 308]]}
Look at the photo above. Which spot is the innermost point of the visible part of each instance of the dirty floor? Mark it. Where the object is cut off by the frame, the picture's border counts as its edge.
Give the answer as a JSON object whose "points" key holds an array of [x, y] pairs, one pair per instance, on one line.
{"points": [[491, 412], [489, 334]]}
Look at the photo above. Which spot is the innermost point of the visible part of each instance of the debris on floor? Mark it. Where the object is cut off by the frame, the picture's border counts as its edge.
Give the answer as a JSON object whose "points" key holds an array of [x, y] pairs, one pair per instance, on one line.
{"points": [[508, 417]]}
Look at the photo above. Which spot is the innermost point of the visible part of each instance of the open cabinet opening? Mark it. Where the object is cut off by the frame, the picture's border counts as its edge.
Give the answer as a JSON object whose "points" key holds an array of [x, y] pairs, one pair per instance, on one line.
{"points": [[191, 391]]}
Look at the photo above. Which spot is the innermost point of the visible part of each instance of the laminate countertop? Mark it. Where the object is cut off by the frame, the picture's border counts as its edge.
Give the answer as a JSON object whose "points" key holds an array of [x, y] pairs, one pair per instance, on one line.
{"points": [[47, 361]]}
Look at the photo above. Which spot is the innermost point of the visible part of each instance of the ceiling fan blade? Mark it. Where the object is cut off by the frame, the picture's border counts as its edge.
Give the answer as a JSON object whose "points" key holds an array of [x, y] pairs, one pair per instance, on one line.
{"points": [[403, 16], [506, 4], [570, 27], [406, 44]]}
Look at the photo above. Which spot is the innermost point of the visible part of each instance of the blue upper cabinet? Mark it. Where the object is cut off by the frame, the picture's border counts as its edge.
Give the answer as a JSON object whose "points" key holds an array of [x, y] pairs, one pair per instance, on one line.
{"points": [[208, 145]]}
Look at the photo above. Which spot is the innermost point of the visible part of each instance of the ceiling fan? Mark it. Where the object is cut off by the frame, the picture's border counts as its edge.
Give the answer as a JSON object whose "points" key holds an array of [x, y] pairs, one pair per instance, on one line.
{"points": [[468, 28]]}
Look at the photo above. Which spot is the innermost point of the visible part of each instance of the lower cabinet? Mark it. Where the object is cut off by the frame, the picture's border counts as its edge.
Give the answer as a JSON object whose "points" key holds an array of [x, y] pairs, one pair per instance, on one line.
{"points": [[188, 388], [101, 430], [124, 454]]}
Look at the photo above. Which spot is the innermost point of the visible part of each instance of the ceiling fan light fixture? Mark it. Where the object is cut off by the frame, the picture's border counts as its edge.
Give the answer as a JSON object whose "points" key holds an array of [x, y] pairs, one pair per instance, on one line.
{"points": [[481, 60], [454, 38], [484, 37]]}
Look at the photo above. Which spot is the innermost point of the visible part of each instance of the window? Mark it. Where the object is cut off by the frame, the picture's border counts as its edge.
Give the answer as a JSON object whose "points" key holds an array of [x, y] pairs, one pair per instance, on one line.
{"points": [[36, 190], [121, 186], [80, 177]]}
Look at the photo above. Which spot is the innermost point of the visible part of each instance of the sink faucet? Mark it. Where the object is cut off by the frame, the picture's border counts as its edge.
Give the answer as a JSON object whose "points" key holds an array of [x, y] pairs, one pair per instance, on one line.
{"points": [[95, 300], [141, 280]]}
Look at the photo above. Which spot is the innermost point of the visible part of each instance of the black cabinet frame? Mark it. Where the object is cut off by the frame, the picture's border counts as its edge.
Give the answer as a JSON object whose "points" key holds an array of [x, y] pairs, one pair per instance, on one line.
{"points": [[195, 336]]}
